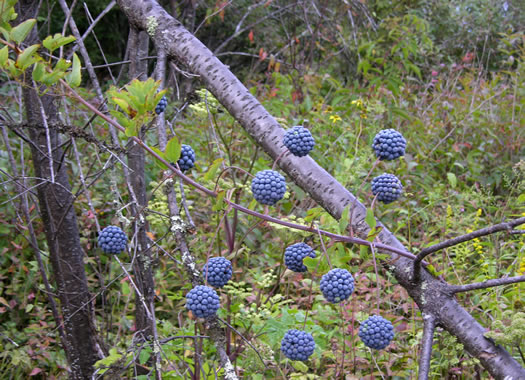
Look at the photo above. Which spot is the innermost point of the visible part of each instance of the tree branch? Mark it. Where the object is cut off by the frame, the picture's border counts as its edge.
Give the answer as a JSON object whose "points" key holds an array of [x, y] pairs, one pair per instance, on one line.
{"points": [[429, 325], [486, 284], [505, 226]]}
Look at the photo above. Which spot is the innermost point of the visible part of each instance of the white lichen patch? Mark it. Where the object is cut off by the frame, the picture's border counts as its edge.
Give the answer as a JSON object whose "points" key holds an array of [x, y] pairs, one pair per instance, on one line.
{"points": [[151, 25]]}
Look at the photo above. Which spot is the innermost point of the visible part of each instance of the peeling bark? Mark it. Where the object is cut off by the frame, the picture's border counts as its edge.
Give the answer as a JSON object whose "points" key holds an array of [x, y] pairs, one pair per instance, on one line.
{"points": [[432, 295]]}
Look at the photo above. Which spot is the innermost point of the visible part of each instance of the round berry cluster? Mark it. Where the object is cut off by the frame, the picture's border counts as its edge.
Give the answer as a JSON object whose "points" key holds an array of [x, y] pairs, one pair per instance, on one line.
{"points": [[387, 187], [203, 301], [299, 141], [337, 285], [187, 158], [297, 345], [389, 144], [268, 187], [376, 332], [217, 271], [161, 106], [294, 255], [112, 240]]}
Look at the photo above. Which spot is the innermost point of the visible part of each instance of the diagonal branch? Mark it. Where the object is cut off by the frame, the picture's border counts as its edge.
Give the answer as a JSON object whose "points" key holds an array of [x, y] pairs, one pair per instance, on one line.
{"points": [[505, 226]]}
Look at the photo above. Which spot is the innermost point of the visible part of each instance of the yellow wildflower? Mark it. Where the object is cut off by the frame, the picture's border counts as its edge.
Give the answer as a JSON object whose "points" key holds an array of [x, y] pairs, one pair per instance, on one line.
{"points": [[334, 118]]}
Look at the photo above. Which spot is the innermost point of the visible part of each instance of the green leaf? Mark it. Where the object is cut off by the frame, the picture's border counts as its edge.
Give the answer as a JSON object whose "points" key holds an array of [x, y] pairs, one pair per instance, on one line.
{"points": [[20, 32], [213, 169], [300, 366], [161, 154], [58, 40], [144, 356], [452, 180], [4, 54], [39, 70], [74, 77], [173, 149], [370, 218], [521, 198], [124, 288], [50, 79], [27, 57], [345, 219], [5, 31], [121, 103]]}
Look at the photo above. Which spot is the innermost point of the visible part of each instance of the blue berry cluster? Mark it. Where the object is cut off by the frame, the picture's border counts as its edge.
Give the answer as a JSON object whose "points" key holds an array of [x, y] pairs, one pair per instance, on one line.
{"points": [[294, 255], [389, 144], [161, 106], [297, 345], [299, 141], [387, 187], [203, 301], [376, 332], [187, 158], [112, 240], [218, 271], [268, 187], [337, 285]]}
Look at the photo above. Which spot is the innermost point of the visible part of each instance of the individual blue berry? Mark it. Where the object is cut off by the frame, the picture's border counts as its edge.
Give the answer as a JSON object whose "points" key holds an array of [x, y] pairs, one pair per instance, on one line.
{"points": [[337, 285], [297, 345], [389, 144], [202, 301], [268, 187], [294, 255], [387, 187], [161, 106], [112, 240], [187, 158], [299, 141], [218, 271], [376, 332]]}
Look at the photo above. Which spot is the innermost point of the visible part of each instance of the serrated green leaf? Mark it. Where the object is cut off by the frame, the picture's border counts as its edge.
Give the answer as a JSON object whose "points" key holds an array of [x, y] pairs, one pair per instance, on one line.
{"points": [[4, 54], [27, 58], [370, 218], [20, 32], [173, 149], [75, 77], [452, 180], [213, 169]]}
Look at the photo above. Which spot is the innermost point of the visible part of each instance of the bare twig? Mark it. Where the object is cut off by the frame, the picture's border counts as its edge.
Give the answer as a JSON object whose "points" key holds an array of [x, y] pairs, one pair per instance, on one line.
{"points": [[505, 226], [486, 284], [429, 325]]}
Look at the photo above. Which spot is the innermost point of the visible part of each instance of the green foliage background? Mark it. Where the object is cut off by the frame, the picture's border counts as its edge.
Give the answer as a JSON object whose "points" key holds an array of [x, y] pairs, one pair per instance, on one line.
{"points": [[463, 116]]}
